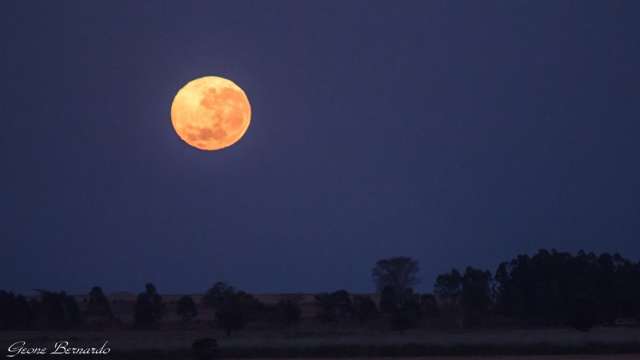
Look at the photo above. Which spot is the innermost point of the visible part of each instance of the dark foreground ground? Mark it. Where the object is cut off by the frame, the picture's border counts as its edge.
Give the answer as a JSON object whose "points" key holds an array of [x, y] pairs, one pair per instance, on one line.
{"points": [[545, 344], [551, 357]]}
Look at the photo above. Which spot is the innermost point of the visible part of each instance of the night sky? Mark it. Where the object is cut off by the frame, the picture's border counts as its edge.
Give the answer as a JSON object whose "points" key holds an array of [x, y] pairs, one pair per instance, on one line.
{"points": [[456, 132]]}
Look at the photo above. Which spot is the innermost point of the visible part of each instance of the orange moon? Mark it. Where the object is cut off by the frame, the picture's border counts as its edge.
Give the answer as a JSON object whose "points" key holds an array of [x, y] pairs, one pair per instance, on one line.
{"points": [[210, 113]]}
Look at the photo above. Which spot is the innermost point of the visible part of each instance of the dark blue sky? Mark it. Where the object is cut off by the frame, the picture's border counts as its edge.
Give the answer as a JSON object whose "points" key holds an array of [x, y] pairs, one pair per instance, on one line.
{"points": [[457, 132]]}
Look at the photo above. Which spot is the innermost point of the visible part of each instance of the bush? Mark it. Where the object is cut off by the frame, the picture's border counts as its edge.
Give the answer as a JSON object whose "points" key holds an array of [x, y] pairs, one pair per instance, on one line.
{"points": [[288, 311], [186, 308], [364, 308], [335, 306], [15, 312], [58, 310]]}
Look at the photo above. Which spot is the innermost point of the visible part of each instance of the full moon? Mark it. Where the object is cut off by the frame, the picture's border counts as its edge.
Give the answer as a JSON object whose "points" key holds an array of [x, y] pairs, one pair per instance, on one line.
{"points": [[210, 113]]}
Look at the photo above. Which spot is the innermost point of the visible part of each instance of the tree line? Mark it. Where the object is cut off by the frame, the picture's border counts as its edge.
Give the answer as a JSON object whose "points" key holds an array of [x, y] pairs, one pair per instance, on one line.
{"points": [[550, 288]]}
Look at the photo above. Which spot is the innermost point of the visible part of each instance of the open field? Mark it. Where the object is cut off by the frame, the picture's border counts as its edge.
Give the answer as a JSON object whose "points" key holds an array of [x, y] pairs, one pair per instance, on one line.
{"points": [[180, 339]]}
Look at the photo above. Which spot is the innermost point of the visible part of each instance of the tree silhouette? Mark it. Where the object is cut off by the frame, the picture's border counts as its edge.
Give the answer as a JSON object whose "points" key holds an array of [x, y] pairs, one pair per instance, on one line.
{"points": [[98, 304], [234, 309], [58, 310], [407, 312], [231, 316], [557, 288], [217, 294], [470, 293], [428, 305], [449, 285], [149, 308], [335, 306], [186, 308], [448, 289], [388, 300], [399, 273], [15, 312], [476, 295], [364, 308]]}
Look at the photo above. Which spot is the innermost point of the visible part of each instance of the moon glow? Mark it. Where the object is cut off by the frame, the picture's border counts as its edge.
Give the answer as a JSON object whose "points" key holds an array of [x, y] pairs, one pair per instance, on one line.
{"points": [[210, 113]]}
